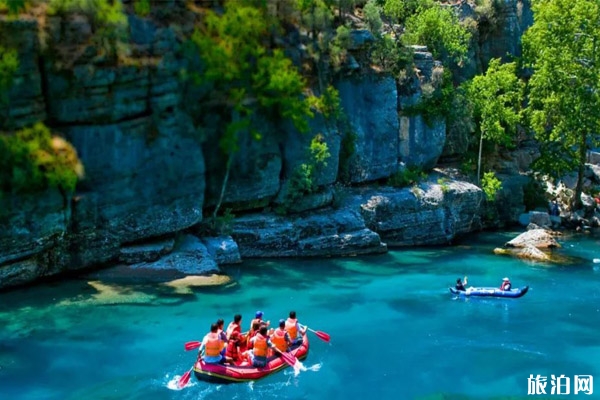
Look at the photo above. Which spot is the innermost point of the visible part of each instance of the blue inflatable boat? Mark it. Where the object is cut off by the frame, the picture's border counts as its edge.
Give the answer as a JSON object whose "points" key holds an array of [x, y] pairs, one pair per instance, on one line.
{"points": [[490, 292]]}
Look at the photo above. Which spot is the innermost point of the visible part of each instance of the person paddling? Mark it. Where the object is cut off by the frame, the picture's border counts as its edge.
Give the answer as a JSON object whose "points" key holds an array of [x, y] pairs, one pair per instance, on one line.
{"points": [[211, 347], [506, 285], [292, 327], [460, 285]]}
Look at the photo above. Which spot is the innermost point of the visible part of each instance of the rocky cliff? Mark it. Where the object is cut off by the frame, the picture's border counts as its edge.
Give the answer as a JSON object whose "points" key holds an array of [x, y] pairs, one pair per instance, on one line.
{"points": [[151, 172]]}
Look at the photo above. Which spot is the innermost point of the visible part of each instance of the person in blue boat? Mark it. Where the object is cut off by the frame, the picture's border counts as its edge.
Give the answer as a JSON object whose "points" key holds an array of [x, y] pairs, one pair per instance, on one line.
{"points": [[292, 327], [506, 285], [260, 344], [210, 349], [460, 285]]}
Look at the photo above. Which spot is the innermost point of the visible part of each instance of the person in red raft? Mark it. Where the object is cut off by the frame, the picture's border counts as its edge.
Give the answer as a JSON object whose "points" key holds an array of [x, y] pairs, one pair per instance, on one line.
{"points": [[292, 327]]}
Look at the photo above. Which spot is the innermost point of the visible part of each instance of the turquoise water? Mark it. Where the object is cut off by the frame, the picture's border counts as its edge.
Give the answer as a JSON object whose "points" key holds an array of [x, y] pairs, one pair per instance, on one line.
{"points": [[397, 333]]}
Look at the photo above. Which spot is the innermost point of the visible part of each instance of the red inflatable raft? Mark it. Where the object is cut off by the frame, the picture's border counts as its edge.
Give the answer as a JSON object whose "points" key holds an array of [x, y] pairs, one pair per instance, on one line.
{"points": [[218, 373]]}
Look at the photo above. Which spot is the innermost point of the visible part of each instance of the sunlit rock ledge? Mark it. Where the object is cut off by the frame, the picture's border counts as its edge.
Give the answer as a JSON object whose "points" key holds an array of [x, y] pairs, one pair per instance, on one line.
{"points": [[536, 245], [370, 220]]}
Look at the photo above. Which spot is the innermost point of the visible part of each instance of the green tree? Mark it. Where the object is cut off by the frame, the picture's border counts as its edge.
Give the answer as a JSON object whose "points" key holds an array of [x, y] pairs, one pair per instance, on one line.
{"points": [[400, 10], [247, 76], [373, 17], [496, 97], [440, 30], [564, 105]]}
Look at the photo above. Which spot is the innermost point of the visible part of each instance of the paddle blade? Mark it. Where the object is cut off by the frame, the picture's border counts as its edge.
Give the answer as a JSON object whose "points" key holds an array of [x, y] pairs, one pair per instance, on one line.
{"points": [[184, 379], [323, 336], [192, 345], [289, 359]]}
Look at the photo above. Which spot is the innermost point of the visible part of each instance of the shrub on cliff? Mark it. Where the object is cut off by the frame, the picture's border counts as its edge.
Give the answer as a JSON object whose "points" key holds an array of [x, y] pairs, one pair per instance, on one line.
{"points": [[109, 22], [33, 160], [9, 63], [440, 30], [13, 7]]}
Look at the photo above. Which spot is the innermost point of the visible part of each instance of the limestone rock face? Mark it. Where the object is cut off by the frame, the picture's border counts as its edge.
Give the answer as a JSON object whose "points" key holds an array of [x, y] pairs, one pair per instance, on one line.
{"points": [[428, 214], [223, 249], [145, 172], [370, 104], [421, 144], [296, 150], [325, 233], [25, 103], [255, 172], [142, 187]]}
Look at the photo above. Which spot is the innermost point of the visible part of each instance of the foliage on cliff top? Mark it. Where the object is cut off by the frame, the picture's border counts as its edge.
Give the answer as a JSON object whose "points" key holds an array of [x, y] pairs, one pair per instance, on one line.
{"points": [[440, 30], [33, 160], [13, 7], [108, 19]]}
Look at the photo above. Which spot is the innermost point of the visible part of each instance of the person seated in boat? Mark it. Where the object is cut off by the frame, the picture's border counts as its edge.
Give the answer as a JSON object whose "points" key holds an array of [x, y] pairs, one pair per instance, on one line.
{"points": [[280, 338], [506, 285], [460, 285], [210, 349], [258, 318], [252, 332], [260, 345], [222, 334], [235, 326], [292, 327], [233, 352]]}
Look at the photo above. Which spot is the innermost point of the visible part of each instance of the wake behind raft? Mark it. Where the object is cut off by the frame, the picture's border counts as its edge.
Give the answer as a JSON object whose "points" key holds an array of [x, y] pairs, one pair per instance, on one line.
{"points": [[219, 373], [490, 292]]}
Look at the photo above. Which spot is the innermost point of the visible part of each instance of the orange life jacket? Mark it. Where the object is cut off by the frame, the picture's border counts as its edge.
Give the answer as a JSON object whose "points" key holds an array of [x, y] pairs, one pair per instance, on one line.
{"points": [[213, 346], [291, 327], [278, 339], [260, 345]]}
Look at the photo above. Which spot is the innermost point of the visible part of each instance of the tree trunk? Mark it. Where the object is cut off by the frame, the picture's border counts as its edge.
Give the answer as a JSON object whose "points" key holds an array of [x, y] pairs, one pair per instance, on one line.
{"points": [[223, 186], [479, 159], [576, 204]]}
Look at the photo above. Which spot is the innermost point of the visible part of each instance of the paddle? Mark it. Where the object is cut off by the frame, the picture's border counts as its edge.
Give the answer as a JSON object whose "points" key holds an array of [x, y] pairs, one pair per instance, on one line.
{"points": [[288, 358], [192, 345], [185, 379], [321, 335]]}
